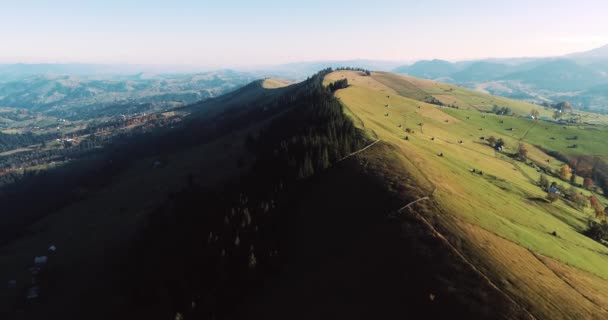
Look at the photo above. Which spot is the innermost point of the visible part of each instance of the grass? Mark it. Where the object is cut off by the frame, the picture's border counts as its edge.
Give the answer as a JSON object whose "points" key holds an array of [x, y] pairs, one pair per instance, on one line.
{"points": [[500, 203], [272, 83]]}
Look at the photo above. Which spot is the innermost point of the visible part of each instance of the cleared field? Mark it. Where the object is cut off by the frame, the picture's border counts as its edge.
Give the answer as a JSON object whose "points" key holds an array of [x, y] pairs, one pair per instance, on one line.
{"points": [[273, 83], [502, 209]]}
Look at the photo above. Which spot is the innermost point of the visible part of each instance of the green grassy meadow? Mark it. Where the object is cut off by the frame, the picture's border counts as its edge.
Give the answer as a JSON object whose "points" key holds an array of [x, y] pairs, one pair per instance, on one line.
{"points": [[505, 203]]}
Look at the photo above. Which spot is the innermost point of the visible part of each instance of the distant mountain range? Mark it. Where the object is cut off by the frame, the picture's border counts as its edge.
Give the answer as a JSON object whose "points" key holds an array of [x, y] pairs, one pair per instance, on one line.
{"points": [[598, 53], [63, 89], [48, 90], [578, 78]]}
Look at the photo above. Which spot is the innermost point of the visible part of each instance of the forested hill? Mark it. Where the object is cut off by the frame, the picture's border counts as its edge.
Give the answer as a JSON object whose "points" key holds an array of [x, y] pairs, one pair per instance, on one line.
{"points": [[245, 224], [251, 208], [269, 140], [262, 246]]}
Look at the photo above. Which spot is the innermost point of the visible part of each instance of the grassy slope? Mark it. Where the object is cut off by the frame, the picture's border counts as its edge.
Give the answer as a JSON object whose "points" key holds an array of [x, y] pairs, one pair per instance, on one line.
{"points": [[272, 83], [505, 234], [493, 216], [375, 267]]}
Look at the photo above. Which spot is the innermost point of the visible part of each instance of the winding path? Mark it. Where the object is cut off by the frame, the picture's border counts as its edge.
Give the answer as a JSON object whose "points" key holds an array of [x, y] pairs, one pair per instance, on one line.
{"points": [[359, 151]]}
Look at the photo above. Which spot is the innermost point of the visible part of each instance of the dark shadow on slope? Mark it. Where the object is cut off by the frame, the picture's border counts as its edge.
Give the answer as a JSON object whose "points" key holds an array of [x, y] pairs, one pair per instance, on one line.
{"points": [[350, 261]]}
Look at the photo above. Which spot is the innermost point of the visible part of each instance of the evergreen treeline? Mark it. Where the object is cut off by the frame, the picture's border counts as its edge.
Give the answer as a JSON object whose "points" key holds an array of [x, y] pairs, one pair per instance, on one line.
{"points": [[308, 138], [209, 247], [365, 71], [206, 246], [337, 85]]}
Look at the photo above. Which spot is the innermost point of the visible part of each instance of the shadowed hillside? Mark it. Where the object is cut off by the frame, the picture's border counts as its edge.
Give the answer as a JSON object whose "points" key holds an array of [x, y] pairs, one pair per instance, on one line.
{"points": [[352, 194]]}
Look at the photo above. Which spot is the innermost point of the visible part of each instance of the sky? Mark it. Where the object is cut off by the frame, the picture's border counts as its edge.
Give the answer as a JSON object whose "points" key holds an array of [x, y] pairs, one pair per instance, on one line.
{"points": [[233, 33]]}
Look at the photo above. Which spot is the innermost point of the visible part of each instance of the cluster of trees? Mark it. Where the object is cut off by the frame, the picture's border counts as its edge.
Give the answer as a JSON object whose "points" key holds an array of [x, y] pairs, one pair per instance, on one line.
{"points": [[337, 85], [433, 100], [598, 231], [323, 134], [501, 111], [594, 170], [496, 143], [554, 190]]}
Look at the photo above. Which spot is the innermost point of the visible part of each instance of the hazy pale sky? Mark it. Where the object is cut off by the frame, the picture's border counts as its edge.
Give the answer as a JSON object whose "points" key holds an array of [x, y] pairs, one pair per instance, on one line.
{"points": [[257, 32]]}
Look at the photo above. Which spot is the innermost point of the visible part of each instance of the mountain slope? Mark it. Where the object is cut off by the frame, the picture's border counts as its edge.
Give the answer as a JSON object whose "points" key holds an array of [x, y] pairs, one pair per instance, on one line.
{"points": [[86, 97], [597, 53], [303, 202], [490, 217], [563, 75], [429, 69], [198, 219], [482, 71], [538, 80]]}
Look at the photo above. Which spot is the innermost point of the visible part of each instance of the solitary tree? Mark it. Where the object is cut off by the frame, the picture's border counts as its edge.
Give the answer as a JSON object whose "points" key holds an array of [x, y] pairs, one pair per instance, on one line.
{"points": [[543, 182], [565, 172], [552, 196], [522, 151], [597, 207]]}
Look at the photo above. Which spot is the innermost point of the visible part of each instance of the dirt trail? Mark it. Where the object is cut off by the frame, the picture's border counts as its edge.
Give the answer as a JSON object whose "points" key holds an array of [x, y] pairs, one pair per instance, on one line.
{"points": [[359, 151], [461, 256]]}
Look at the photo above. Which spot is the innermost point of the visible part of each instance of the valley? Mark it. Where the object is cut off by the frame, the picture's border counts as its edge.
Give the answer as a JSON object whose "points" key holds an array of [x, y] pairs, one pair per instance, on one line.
{"points": [[244, 160], [579, 78]]}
